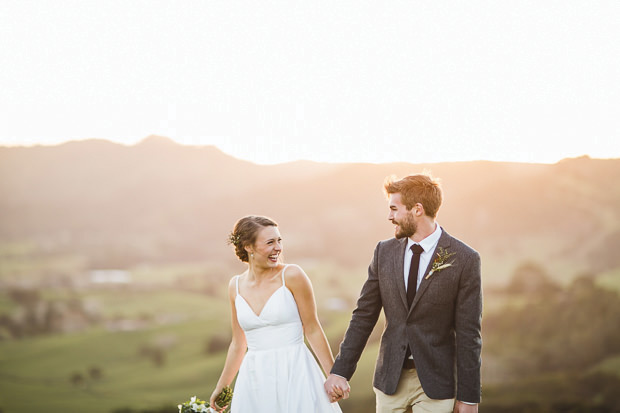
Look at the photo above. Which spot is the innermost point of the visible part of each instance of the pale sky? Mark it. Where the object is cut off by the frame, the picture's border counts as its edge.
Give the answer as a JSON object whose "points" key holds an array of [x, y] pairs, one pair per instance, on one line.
{"points": [[339, 81]]}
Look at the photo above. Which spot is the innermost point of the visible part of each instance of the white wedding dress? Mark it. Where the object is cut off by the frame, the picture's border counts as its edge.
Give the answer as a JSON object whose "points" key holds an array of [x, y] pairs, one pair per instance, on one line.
{"points": [[278, 373]]}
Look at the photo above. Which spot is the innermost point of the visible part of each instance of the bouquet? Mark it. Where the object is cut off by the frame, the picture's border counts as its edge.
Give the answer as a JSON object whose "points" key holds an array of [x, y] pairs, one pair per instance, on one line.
{"points": [[195, 405]]}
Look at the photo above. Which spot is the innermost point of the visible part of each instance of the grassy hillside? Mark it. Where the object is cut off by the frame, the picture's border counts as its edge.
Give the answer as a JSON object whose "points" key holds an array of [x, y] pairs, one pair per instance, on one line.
{"points": [[39, 372], [36, 373], [159, 202]]}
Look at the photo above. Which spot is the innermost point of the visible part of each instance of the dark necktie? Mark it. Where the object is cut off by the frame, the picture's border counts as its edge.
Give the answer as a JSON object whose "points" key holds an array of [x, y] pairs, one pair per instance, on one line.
{"points": [[412, 285], [412, 282]]}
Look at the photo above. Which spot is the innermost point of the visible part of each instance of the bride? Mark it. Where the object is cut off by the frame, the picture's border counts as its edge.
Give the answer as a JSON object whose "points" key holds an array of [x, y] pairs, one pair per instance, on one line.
{"points": [[273, 307]]}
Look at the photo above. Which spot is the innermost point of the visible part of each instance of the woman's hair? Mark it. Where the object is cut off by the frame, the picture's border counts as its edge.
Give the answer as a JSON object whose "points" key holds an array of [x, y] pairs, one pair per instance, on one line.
{"points": [[245, 232]]}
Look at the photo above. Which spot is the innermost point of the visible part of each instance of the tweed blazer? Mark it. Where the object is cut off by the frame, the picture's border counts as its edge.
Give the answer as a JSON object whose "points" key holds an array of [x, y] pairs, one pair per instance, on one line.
{"points": [[442, 326]]}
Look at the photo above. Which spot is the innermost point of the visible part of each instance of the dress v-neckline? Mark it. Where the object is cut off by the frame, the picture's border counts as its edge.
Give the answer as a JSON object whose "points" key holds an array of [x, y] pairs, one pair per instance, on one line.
{"points": [[260, 313], [264, 305]]}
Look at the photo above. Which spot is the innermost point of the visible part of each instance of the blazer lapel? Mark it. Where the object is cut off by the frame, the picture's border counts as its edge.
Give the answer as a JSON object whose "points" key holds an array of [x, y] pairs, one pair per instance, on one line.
{"points": [[399, 260], [444, 242]]}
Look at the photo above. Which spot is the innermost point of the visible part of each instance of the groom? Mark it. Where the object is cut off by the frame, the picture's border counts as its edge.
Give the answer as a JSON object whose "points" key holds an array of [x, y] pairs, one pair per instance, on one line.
{"points": [[428, 285]]}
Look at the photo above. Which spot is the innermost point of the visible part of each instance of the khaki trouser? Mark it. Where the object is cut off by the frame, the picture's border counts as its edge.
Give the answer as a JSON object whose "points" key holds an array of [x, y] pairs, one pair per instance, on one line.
{"points": [[410, 397]]}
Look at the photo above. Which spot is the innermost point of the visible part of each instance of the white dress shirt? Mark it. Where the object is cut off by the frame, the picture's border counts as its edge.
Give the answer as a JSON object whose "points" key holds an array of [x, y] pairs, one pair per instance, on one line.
{"points": [[428, 244]]}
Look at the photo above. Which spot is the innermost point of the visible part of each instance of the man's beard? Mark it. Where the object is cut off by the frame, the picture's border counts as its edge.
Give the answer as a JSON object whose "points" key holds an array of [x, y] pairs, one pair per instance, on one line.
{"points": [[406, 228]]}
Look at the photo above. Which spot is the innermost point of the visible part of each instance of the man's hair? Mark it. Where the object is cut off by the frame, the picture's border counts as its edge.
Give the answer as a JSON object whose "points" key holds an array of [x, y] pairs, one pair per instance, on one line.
{"points": [[419, 188]]}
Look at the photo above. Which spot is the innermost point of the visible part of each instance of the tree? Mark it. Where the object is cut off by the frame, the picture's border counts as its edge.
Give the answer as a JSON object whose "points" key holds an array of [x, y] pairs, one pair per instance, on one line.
{"points": [[531, 278], [77, 379], [217, 343], [95, 373]]}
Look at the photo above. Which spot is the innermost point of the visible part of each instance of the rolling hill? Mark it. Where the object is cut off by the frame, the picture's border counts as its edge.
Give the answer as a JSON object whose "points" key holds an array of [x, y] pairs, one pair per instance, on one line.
{"points": [[160, 201]]}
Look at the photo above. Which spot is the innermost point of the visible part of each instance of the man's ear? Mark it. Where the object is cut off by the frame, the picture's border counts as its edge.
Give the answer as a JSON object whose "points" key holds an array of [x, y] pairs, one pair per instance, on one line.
{"points": [[418, 209]]}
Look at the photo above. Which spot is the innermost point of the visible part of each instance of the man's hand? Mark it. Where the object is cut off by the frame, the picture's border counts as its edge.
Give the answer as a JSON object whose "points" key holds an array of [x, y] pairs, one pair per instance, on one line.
{"points": [[460, 407], [337, 388]]}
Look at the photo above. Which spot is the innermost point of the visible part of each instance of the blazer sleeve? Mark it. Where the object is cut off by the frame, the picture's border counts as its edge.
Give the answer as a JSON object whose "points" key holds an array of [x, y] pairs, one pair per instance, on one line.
{"points": [[468, 319], [362, 322]]}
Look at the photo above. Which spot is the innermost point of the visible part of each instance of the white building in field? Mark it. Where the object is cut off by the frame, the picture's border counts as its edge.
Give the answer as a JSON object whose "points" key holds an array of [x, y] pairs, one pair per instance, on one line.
{"points": [[110, 277]]}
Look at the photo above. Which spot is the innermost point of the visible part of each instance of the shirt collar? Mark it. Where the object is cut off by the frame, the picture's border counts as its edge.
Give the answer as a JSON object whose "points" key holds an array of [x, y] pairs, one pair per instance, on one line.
{"points": [[429, 242]]}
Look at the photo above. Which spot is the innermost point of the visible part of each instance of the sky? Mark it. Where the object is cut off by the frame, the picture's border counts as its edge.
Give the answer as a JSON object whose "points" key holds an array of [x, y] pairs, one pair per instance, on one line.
{"points": [[332, 81]]}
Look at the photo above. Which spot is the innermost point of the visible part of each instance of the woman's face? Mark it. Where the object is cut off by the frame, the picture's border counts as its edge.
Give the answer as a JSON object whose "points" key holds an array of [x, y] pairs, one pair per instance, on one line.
{"points": [[267, 248]]}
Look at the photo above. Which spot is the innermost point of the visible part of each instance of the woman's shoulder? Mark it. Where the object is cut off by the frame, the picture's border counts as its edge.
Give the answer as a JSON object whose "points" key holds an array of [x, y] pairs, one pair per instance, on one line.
{"points": [[232, 283], [295, 277], [293, 270]]}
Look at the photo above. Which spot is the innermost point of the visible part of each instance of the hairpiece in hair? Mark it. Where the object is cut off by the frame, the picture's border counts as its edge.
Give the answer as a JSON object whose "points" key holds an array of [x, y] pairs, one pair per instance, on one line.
{"points": [[234, 239]]}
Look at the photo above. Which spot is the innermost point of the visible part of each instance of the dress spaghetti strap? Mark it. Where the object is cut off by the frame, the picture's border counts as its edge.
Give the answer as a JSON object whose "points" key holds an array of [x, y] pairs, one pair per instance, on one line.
{"points": [[284, 269], [237, 283]]}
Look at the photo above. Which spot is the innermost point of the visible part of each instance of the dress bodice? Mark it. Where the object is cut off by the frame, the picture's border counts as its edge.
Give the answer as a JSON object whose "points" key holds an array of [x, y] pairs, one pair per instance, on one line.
{"points": [[278, 323]]}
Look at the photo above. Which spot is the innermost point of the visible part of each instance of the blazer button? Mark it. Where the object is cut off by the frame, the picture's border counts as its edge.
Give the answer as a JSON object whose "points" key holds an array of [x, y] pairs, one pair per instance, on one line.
{"points": [[404, 347]]}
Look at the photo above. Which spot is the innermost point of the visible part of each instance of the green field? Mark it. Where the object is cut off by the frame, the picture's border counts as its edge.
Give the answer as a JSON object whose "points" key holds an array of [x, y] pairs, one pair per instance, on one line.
{"points": [[610, 280], [38, 373], [53, 373], [35, 372]]}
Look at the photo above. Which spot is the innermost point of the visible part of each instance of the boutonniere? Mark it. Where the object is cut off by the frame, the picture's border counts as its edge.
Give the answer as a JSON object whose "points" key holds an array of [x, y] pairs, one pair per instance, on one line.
{"points": [[440, 262]]}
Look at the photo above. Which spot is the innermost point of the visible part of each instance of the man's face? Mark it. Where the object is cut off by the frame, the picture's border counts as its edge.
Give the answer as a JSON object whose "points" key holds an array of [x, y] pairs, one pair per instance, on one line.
{"points": [[403, 220]]}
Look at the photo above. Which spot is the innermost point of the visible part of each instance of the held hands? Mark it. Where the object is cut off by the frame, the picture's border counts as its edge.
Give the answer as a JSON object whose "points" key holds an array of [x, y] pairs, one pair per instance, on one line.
{"points": [[337, 388]]}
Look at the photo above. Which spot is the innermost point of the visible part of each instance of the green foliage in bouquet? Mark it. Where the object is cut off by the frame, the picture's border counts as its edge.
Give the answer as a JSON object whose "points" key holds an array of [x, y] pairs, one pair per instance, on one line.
{"points": [[224, 398], [195, 405]]}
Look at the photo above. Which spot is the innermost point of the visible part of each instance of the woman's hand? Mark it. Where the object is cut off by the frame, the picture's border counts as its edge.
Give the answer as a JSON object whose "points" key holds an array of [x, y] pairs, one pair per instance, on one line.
{"points": [[214, 395]]}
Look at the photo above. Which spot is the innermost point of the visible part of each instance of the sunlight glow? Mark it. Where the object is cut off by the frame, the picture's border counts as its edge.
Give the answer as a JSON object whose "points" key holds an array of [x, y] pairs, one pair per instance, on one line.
{"points": [[332, 82]]}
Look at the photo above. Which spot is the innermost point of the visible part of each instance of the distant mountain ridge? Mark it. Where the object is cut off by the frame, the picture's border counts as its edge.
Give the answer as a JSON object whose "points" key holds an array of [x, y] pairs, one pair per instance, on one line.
{"points": [[159, 200]]}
